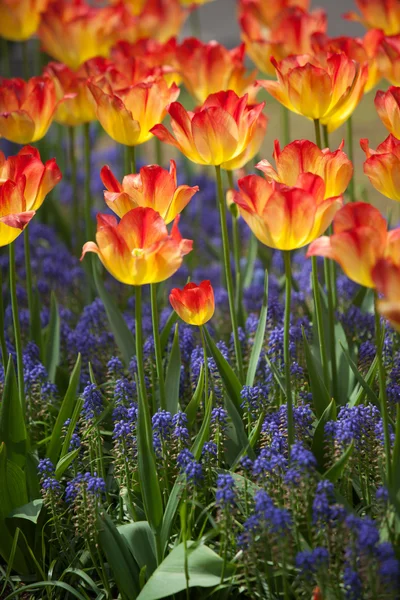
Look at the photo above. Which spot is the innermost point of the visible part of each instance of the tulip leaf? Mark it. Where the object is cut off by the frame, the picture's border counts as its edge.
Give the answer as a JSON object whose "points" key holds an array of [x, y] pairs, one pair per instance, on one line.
{"points": [[65, 412], [251, 261], [140, 540], [320, 395], [164, 335], [65, 462], [259, 337], [237, 442], [359, 392], [173, 375], [191, 409], [171, 508], [335, 472], [12, 422], [53, 339], [123, 336], [277, 376], [203, 434], [366, 387], [318, 443]]}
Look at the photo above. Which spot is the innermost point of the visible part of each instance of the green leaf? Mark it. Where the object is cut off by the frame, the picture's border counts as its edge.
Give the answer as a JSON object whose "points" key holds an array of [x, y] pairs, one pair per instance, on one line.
{"points": [[171, 509], [12, 422], [192, 407], [140, 540], [228, 376], [30, 511], [173, 375], [259, 337], [251, 261], [65, 461], [359, 392], [123, 336], [71, 426], [120, 560], [203, 434], [318, 443], [65, 412], [36, 325], [237, 442], [277, 376], [336, 470], [53, 337], [345, 376], [164, 335], [366, 387], [43, 584], [204, 566], [320, 395]]}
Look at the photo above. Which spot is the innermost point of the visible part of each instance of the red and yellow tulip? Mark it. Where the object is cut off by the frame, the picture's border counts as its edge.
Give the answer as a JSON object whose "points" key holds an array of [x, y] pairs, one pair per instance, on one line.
{"points": [[302, 156], [128, 114], [282, 217], [269, 13], [360, 239], [19, 19], [158, 58], [138, 250], [27, 108], [223, 131], [378, 14], [154, 187], [208, 68], [159, 20], [386, 278], [382, 166], [387, 105], [194, 303], [328, 87]]}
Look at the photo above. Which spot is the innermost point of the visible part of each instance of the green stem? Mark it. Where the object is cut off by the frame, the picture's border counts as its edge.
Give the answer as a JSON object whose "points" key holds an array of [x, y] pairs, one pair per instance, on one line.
{"points": [[203, 343], [159, 151], [157, 345], [236, 256], [285, 125], [319, 320], [382, 391], [5, 58], [74, 183], [228, 272], [317, 133], [286, 354], [350, 149], [139, 349], [396, 447], [28, 275], [326, 135], [2, 329], [195, 24], [130, 159], [331, 324], [25, 59], [17, 328], [88, 203]]}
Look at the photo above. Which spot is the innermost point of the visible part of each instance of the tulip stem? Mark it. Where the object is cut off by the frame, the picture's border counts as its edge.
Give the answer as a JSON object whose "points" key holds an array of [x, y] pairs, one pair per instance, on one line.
{"points": [[157, 345], [5, 57], [139, 346], [88, 207], [236, 255], [319, 320], [2, 329], [228, 272], [130, 159], [331, 324], [285, 125], [159, 152], [382, 391], [28, 275], [195, 24], [286, 353], [75, 203], [205, 360], [25, 59], [349, 126], [17, 328], [317, 133]]}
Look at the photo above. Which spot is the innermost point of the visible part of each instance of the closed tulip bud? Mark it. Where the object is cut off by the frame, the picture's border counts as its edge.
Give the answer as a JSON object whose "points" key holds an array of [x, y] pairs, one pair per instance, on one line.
{"points": [[194, 303], [285, 218], [382, 166], [20, 20], [302, 156], [377, 14], [387, 105], [153, 187], [360, 239], [327, 87], [27, 108], [138, 250], [223, 131], [386, 278]]}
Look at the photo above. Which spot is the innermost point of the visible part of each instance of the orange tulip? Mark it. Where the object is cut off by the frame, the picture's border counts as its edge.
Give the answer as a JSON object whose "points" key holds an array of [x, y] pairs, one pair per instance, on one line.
{"points": [[194, 303], [19, 19], [158, 58], [302, 156], [14, 216], [223, 131], [27, 108], [208, 68], [387, 105], [360, 238], [159, 20], [128, 114], [153, 187], [378, 14], [292, 35], [269, 13], [285, 218], [327, 88], [73, 32], [386, 278], [30, 175], [382, 166], [138, 250]]}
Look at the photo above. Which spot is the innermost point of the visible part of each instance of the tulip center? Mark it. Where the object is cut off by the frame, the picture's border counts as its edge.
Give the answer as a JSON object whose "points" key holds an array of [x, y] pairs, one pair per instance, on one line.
{"points": [[138, 252]]}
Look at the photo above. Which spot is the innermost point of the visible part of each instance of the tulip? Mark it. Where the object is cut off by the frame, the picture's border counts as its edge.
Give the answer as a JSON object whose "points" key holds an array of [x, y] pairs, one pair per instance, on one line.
{"points": [[14, 216], [360, 239], [20, 20], [382, 166], [27, 108], [386, 278], [292, 35], [159, 58], [129, 114], [138, 250], [208, 68], [153, 187], [387, 105], [159, 20], [269, 13], [378, 14], [327, 88], [217, 133], [73, 32], [302, 156], [286, 218], [194, 303]]}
